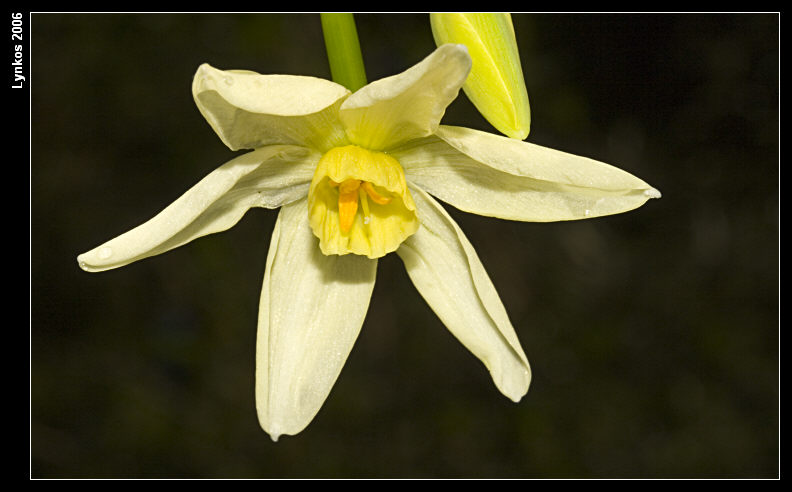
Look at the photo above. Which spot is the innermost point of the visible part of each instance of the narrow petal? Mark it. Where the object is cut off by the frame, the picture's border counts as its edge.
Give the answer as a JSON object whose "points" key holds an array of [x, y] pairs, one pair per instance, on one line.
{"points": [[248, 110], [447, 272], [268, 177], [396, 109], [491, 175], [312, 308]]}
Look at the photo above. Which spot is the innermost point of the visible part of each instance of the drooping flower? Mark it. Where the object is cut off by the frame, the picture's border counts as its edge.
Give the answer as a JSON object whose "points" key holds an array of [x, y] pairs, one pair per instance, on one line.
{"points": [[353, 175]]}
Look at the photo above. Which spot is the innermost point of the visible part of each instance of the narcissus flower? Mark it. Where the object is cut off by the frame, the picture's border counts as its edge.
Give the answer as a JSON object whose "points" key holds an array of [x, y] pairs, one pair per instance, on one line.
{"points": [[352, 175]]}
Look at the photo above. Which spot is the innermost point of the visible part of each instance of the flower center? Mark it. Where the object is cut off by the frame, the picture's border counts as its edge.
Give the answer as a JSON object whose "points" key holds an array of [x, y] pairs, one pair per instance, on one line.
{"points": [[348, 193], [359, 203]]}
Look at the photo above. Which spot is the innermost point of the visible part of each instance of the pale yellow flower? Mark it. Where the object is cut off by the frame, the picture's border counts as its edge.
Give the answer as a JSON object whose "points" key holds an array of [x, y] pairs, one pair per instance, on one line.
{"points": [[353, 175]]}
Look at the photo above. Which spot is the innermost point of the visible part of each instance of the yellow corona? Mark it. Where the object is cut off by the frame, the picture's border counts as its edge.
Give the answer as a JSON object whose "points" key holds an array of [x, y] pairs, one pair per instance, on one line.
{"points": [[359, 203]]}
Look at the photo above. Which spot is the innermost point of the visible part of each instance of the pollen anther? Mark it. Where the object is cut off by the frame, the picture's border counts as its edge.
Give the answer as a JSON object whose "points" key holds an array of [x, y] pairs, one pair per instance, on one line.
{"points": [[347, 203], [348, 192], [372, 193]]}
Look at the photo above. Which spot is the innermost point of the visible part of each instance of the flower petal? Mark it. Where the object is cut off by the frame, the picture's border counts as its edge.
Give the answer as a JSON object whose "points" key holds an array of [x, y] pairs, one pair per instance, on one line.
{"points": [[268, 177], [312, 308], [395, 109], [248, 110], [447, 272], [491, 175]]}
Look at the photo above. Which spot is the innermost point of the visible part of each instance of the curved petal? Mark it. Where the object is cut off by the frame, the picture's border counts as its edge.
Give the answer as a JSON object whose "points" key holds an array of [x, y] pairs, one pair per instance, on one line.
{"points": [[496, 176], [410, 105], [312, 308], [248, 110], [268, 177], [447, 272]]}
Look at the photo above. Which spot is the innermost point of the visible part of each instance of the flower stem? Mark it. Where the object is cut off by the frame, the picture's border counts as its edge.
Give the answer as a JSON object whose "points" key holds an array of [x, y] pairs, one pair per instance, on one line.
{"points": [[343, 50]]}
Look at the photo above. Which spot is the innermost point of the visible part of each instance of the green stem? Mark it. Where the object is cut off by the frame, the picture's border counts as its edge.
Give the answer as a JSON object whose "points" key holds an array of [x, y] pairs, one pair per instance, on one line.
{"points": [[343, 50]]}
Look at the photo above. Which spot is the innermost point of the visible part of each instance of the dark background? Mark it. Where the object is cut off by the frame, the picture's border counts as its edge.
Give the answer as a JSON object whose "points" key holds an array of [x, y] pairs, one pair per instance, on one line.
{"points": [[653, 335]]}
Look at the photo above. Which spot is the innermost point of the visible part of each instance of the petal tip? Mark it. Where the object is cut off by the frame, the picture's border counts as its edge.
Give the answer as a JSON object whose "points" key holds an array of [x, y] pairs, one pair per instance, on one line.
{"points": [[203, 70], [652, 193], [518, 133], [97, 259], [518, 387], [456, 50], [202, 75], [462, 51], [461, 47], [87, 262], [517, 396], [275, 432]]}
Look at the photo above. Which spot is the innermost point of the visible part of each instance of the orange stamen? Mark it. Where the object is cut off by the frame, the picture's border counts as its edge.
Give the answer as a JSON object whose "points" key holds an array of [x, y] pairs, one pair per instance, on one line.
{"points": [[372, 193], [347, 203]]}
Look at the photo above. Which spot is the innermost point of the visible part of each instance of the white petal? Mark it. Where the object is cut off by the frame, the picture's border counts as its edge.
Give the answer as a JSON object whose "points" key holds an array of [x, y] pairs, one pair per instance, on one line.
{"points": [[312, 308], [447, 272], [491, 175], [410, 105], [248, 110], [268, 177]]}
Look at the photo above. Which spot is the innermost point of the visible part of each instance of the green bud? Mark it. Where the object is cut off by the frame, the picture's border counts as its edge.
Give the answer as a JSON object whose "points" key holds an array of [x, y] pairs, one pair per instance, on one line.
{"points": [[495, 85]]}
